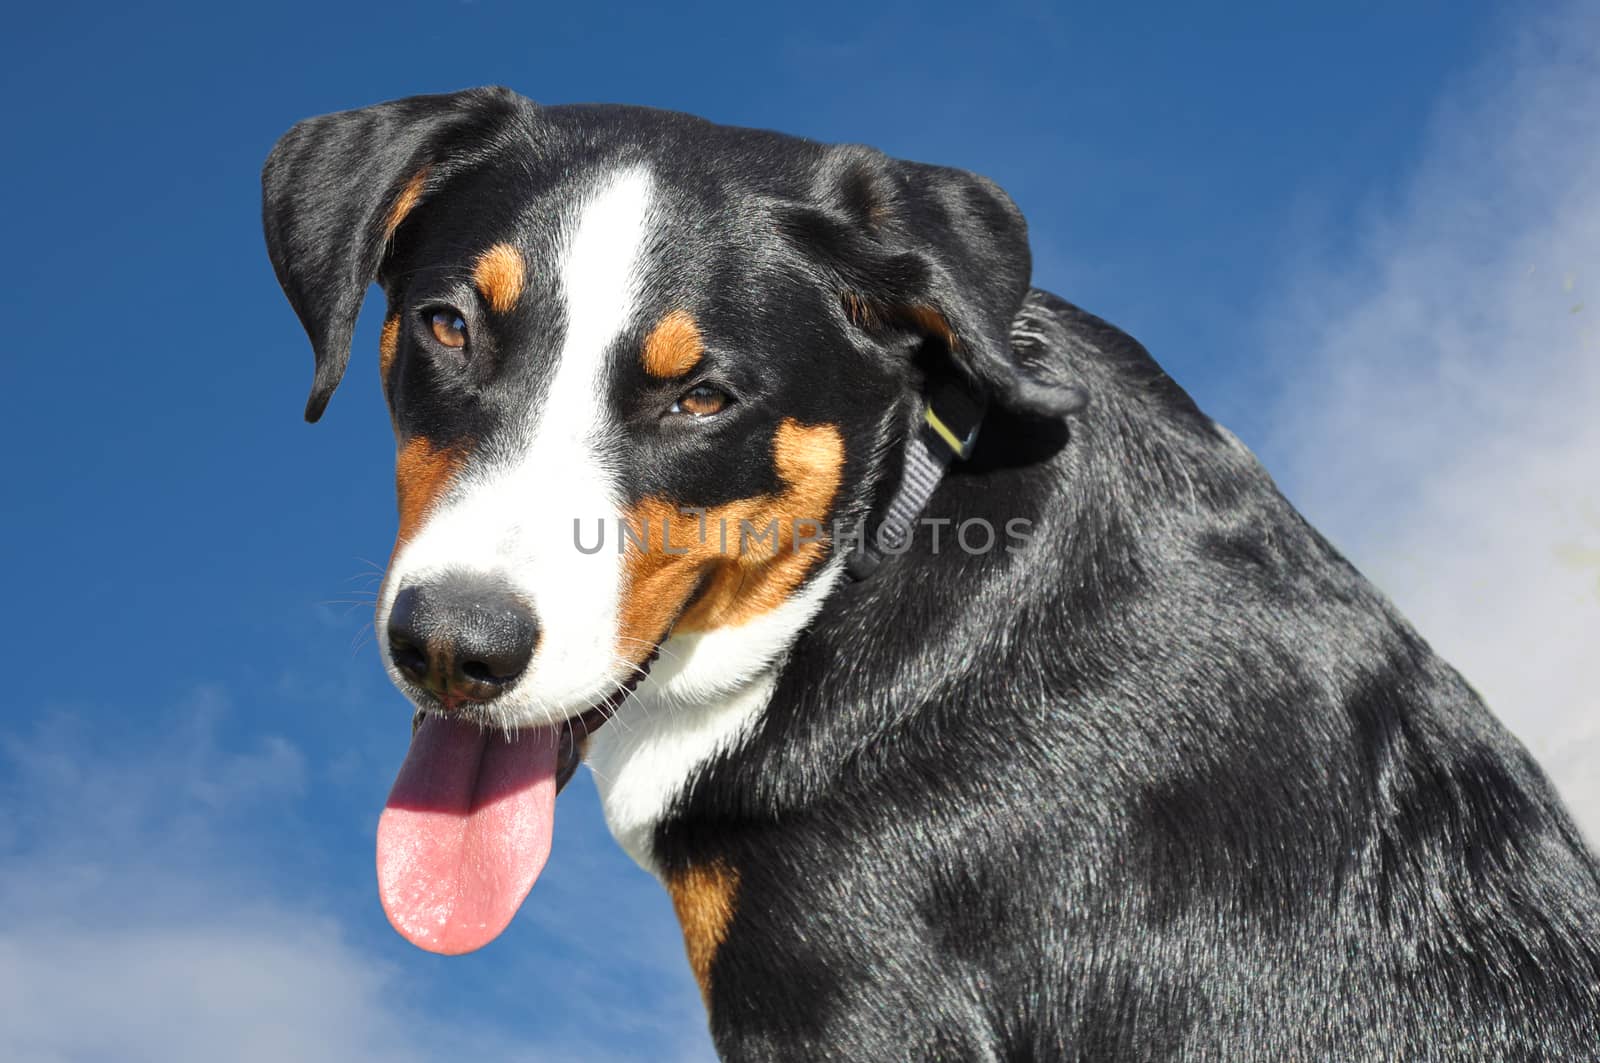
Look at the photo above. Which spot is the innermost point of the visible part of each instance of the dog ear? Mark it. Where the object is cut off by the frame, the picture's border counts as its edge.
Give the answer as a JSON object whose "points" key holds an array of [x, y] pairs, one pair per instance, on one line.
{"points": [[335, 189], [940, 253]]}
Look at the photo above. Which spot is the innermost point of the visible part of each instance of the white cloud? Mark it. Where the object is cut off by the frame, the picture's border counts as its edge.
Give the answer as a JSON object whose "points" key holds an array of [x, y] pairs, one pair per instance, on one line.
{"points": [[256, 983], [271, 988], [144, 917], [1440, 416], [1440, 419]]}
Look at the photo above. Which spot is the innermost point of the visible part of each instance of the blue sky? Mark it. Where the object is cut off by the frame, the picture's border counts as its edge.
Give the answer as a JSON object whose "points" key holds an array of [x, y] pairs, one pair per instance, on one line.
{"points": [[1361, 234]]}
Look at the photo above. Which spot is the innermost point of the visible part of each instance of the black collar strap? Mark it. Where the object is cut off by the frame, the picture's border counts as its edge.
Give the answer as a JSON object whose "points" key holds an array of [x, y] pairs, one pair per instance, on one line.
{"points": [[947, 433]]}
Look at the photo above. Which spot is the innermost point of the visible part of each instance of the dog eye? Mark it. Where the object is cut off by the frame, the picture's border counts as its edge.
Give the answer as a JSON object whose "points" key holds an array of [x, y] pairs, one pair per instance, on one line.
{"points": [[701, 401], [449, 327]]}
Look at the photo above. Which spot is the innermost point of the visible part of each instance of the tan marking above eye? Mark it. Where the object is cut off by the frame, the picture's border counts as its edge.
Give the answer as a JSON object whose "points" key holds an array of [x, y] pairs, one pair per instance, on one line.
{"points": [[930, 322], [913, 316], [703, 896], [738, 580], [500, 274], [405, 203], [448, 328], [673, 347], [859, 310]]}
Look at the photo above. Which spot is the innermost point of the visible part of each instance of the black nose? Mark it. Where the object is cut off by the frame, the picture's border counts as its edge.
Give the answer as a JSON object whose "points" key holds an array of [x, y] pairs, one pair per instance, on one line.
{"points": [[463, 637]]}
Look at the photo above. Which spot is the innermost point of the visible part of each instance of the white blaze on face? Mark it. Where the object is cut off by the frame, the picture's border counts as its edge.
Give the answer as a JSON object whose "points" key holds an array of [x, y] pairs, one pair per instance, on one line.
{"points": [[511, 514]]}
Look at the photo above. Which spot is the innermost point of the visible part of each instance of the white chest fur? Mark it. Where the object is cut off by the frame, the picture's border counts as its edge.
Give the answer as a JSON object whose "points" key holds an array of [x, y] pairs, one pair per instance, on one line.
{"points": [[643, 761], [702, 696]]}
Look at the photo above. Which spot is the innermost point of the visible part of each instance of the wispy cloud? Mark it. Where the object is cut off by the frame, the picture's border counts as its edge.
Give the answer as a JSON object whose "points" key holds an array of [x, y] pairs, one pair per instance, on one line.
{"points": [[1441, 412], [163, 896], [269, 985]]}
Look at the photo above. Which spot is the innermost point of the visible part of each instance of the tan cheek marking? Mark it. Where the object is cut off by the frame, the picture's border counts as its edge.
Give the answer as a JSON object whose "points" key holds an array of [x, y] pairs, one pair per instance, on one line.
{"points": [[421, 474], [388, 344], [656, 583], [703, 895], [744, 585], [673, 347], [499, 275], [405, 203], [743, 577]]}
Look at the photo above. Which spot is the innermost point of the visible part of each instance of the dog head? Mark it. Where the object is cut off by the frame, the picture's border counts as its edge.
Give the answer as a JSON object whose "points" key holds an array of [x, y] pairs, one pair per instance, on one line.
{"points": [[639, 369], [627, 329]]}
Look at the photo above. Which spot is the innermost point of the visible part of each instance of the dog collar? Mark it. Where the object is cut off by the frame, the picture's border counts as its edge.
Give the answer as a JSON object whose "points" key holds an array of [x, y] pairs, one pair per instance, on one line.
{"points": [[949, 429]]}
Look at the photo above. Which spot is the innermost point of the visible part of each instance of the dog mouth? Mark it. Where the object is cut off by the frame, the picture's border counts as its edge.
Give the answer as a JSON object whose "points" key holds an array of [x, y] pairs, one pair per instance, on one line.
{"points": [[467, 827], [575, 735]]}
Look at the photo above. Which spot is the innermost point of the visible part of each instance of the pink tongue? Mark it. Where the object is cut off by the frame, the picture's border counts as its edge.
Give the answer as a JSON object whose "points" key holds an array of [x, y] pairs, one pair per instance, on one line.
{"points": [[465, 832]]}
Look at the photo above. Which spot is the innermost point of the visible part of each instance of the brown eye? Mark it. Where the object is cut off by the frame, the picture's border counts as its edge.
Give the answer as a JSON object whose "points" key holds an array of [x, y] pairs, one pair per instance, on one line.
{"points": [[449, 328], [701, 401]]}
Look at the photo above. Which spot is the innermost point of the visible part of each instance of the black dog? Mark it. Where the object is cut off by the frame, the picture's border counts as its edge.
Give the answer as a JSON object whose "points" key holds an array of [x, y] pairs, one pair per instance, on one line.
{"points": [[1073, 742]]}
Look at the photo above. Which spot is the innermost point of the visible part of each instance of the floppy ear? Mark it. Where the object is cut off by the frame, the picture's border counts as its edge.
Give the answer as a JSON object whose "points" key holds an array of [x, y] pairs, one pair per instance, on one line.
{"points": [[938, 252], [335, 189]]}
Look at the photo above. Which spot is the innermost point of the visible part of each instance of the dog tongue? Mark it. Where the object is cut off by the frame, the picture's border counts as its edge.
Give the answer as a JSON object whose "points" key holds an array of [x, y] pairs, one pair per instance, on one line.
{"points": [[465, 832]]}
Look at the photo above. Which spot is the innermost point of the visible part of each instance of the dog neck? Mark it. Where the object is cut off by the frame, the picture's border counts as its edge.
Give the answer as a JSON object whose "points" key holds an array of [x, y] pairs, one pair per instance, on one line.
{"points": [[701, 699]]}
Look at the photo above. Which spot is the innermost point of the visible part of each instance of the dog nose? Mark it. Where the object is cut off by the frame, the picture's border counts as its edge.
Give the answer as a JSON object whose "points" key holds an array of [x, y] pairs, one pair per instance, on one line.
{"points": [[463, 638]]}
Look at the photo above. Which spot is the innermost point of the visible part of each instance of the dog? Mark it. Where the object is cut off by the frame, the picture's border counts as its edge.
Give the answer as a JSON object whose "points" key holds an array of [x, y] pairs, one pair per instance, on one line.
{"points": [[1130, 765]]}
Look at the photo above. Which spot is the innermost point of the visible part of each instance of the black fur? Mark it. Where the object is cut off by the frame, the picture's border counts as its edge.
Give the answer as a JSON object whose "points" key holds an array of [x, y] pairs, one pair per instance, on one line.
{"points": [[328, 186], [1179, 784], [1173, 782]]}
